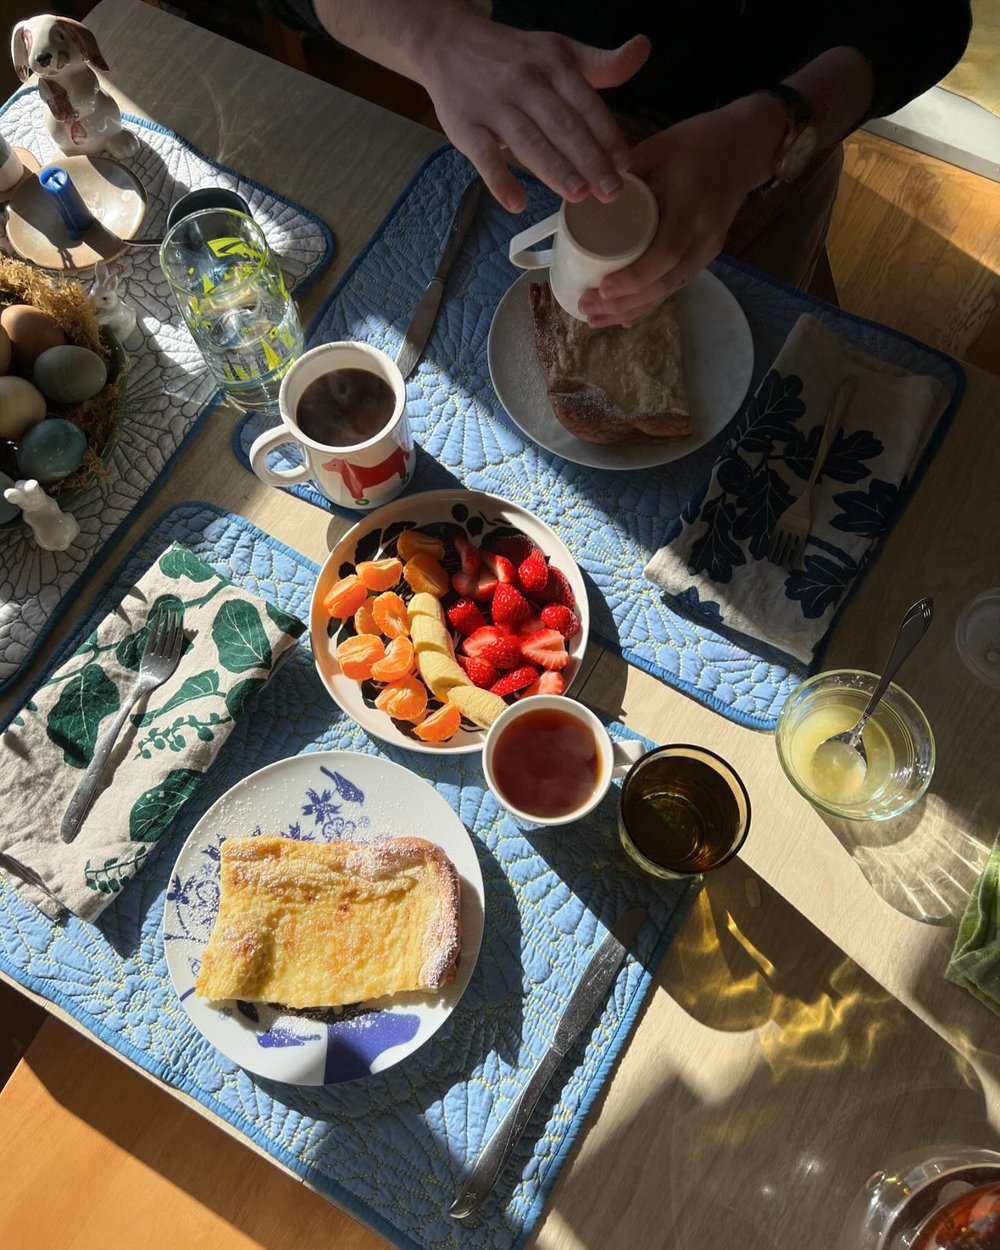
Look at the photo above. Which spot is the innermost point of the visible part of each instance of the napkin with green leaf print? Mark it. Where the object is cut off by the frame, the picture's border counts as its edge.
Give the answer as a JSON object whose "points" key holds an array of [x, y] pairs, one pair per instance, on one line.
{"points": [[234, 641]]}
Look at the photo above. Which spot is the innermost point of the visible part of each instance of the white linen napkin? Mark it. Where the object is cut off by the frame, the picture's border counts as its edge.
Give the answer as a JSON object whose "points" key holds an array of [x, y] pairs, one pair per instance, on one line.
{"points": [[714, 565], [234, 640]]}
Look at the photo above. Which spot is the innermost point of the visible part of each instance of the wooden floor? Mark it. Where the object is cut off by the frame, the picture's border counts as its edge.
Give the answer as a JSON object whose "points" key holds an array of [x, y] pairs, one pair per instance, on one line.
{"points": [[915, 244]]}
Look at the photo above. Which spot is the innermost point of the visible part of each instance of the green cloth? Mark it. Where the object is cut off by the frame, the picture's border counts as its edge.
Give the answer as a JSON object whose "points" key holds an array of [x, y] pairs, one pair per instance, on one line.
{"points": [[233, 642], [975, 961]]}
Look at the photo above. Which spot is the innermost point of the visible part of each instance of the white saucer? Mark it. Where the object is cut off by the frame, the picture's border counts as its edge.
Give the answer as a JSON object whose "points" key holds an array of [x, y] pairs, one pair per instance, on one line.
{"points": [[718, 366]]}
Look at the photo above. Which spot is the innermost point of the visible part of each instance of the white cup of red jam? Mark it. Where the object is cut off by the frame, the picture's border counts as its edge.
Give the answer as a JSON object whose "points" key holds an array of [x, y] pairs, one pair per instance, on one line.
{"points": [[549, 761]]}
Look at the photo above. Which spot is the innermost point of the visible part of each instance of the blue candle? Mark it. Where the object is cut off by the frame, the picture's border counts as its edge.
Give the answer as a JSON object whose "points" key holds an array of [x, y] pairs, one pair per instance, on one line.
{"points": [[75, 214]]}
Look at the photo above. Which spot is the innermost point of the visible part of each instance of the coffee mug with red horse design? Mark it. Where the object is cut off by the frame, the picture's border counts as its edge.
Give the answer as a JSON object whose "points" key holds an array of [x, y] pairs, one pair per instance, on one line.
{"points": [[360, 475]]}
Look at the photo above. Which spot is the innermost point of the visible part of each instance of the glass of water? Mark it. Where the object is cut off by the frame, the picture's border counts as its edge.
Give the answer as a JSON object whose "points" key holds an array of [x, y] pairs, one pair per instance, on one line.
{"points": [[233, 298]]}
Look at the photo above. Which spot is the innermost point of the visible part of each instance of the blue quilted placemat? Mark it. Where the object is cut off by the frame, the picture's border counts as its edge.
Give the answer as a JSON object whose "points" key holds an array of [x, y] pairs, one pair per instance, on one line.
{"points": [[611, 521], [394, 1148], [168, 391]]}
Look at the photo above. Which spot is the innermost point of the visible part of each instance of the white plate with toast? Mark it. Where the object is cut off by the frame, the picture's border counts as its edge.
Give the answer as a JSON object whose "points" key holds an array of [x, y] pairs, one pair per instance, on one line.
{"points": [[717, 353], [317, 797], [480, 517]]}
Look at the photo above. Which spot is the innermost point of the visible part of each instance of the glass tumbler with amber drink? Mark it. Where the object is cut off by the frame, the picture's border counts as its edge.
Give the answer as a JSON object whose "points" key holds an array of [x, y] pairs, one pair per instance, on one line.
{"points": [[943, 1198], [683, 811]]}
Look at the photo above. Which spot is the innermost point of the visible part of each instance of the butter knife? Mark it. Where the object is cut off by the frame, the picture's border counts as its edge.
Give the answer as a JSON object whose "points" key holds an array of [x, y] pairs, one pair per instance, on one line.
{"points": [[427, 310], [585, 999], [28, 875]]}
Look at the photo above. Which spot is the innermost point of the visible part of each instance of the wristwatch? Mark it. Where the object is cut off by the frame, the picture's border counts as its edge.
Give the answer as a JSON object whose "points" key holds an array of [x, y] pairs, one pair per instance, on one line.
{"points": [[799, 144]]}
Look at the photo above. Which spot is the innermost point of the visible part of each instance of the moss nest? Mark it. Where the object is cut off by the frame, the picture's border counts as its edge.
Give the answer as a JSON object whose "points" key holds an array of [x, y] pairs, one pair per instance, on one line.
{"points": [[99, 417]]}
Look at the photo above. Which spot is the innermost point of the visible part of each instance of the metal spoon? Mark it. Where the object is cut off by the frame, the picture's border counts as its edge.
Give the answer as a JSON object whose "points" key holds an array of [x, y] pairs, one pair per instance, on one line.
{"points": [[913, 628]]}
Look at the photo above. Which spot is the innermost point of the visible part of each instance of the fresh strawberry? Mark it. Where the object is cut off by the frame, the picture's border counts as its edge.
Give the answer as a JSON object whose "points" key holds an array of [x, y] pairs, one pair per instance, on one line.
{"points": [[509, 606], [516, 547], [558, 616], [504, 653], [501, 568], [465, 616], [477, 642], [478, 671], [479, 586], [511, 682], [533, 573], [547, 648], [530, 625], [557, 590], [468, 553], [547, 683]]}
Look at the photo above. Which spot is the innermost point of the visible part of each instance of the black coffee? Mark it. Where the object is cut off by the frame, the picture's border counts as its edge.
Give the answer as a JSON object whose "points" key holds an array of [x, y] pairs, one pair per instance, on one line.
{"points": [[345, 407]]}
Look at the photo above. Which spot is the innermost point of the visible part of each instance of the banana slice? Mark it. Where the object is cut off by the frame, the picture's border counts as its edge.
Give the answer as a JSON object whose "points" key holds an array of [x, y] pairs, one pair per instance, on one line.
{"points": [[477, 705], [440, 670]]}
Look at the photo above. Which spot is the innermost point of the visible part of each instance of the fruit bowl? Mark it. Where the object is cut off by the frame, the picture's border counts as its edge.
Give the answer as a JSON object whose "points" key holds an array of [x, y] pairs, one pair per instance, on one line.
{"points": [[486, 523], [100, 416]]}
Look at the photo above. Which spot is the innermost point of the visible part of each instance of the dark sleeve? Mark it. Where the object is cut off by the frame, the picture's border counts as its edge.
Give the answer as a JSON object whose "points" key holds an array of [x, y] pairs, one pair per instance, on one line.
{"points": [[911, 44], [298, 14]]}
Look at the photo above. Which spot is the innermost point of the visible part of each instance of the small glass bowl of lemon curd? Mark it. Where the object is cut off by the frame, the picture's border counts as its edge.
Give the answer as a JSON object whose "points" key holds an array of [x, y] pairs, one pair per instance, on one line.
{"points": [[897, 738]]}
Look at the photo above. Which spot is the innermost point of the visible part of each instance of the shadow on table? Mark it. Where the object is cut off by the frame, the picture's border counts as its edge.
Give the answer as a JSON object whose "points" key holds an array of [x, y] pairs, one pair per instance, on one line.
{"points": [[920, 863], [792, 1076]]}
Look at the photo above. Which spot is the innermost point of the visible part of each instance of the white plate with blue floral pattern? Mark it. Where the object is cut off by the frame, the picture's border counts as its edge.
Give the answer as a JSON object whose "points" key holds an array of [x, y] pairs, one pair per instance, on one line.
{"points": [[315, 797]]}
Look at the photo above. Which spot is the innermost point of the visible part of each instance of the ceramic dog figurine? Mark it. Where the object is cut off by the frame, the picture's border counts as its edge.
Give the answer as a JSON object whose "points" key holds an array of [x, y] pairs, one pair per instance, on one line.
{"points": [[54, 529], [82, 118]]}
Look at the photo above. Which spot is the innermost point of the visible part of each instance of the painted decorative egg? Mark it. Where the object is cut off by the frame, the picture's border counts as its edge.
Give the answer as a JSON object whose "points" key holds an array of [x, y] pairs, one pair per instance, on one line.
{"points": [[31, 332], [69, 374], [4, 350], [8, 511], [51, 450], [21, 406]]}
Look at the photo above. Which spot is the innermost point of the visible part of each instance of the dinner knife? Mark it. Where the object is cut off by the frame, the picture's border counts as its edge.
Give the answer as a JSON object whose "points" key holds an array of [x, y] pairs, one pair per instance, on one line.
{"points": [[585, 999], [423, 319], [28, 875]]}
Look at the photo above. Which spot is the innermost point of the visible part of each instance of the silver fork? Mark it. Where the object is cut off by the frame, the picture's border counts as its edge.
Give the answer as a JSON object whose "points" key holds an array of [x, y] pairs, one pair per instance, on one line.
{"points": [[791, 529], [162, 653]]}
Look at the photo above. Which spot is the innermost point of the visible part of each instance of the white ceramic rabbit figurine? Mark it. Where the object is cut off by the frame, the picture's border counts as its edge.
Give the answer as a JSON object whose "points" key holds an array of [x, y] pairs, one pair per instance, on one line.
{"points": [[54, 529], [111, 309]]}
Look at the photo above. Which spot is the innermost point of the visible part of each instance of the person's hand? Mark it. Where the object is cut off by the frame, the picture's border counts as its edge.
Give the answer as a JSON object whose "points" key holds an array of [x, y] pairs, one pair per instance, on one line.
{"points": [[701, 170], [534, 93]]}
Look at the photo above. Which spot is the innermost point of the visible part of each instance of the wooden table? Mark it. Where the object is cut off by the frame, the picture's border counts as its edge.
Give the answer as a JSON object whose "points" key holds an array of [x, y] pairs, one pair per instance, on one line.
{"points": [[800, 1032]]}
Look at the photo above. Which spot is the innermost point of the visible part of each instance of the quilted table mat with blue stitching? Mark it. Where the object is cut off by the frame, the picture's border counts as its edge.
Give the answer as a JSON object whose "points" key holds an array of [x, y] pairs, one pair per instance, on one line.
{"points": [[391, 1149], [611, 521], [168, 389]]}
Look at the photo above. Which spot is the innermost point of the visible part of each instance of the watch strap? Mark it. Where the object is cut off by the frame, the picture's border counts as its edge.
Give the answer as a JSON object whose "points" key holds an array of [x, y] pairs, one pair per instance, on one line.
{"points": [[795, 104]]}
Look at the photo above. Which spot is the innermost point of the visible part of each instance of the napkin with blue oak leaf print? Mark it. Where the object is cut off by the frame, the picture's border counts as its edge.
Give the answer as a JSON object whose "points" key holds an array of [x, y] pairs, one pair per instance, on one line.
{"points": [[234, 641], [714, 565]]}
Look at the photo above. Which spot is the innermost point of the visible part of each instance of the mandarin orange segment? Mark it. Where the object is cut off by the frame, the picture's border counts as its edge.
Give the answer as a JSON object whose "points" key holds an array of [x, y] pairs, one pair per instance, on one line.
{"points": [[356, 656], [412, 542], [440, 725], [380, 574], [405, 699], [364, 622], [425, 575], [346, 596], [400, 660], [389, 612]]}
